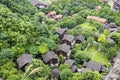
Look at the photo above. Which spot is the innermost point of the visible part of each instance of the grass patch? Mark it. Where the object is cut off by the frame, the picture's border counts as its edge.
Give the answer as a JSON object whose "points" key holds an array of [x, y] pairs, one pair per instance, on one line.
{"points": [[98, 56]]}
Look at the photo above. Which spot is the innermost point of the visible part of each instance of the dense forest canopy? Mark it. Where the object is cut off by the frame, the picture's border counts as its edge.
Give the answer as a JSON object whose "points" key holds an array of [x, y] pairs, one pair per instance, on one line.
{"points": [[25, 29]]}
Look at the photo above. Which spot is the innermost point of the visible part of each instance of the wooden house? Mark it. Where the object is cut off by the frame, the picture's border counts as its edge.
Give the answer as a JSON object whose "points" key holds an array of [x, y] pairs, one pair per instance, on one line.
{"points": [[23, 60], [56, 73], [61, 32], [116, 5], [79, 39], [52, 14], [94, 66], [57, 17], [70, 62], [64, 49], [101, 20], [72, 65], [68, 39], [51, 58]]}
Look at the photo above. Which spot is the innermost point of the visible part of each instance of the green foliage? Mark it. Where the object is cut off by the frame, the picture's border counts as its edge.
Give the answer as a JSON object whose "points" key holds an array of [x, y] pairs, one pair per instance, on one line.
{"points": [[44, 72], [102, 38], [8, 70], [66, 74], [7, 53], [77, 76], [91, 76], [61, 57], [64, 66], [116, 38], [43, 48], [81, 56], [67, 22]]}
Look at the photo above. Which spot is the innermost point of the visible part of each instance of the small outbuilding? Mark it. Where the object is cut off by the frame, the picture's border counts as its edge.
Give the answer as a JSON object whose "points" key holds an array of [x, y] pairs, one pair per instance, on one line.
{"points": [[101, 20], [52, 14], [112, 25], [94, 66], [61, 32], [57, 17], [70, 62], [56, 73], [68, 39], [83, 70], [23, 60], [74, 68], [64, 49], [51, 58], [79, 39]]}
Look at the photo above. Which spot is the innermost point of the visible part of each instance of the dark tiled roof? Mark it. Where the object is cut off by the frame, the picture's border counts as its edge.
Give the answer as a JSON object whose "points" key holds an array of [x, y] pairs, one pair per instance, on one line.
{"points": [[94, 66], [83, 70], [112, 25], [103, 68], [49, 56], [56, 73], [64, 47], [24, 59], [69, 62], [113, 29], [80, 37], [85, 64], [74, 68], [69, 38], [61, 31]]}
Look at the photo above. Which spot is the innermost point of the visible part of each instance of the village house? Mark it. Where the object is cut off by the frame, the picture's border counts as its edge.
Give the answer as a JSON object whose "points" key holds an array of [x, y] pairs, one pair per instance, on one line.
{"points": [[74, 68], [112, 25], [61, 32], [39, 4], [72, 65], [64, 49], [79, 39], [83, 70], [56, 73], [23, 60], [101, 20], [52, 14], [70, 62], [57, 17], [68, 39], [51, 58], [94, 66], [116, 5], [98, 8]]}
